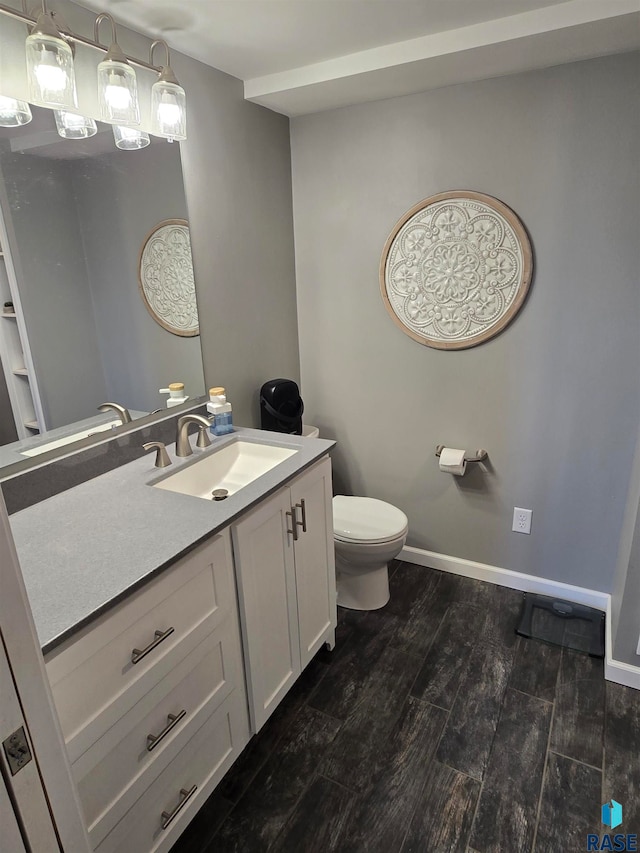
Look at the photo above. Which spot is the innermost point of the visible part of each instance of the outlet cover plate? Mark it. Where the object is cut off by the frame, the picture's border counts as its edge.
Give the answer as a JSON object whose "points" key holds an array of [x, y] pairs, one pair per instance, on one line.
{"points": [[521, 520]]}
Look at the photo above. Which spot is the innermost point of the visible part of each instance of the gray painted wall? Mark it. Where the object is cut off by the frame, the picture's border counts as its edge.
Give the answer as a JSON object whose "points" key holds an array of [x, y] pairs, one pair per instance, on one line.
{"points": [[625, 598], [121, 197], [237, 173], [50, 268], [555, 398]]}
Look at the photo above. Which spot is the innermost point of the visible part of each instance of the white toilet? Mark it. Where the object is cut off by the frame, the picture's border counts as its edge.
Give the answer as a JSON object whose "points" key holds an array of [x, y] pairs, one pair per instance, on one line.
{"points": [[367, 534]]}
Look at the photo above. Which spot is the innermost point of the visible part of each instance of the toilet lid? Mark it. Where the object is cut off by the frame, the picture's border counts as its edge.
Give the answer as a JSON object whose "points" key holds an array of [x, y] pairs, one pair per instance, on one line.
{"points": [[366, 520]]}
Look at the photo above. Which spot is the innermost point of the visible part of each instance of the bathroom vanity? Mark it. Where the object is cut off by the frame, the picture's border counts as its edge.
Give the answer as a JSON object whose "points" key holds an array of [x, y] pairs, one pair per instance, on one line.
{"points": [[172, 626]]}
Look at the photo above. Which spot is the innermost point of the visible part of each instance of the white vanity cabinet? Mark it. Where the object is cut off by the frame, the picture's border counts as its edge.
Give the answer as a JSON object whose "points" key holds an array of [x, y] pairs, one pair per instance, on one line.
{"points": [[152, 702], [159, 695], [285, 572]]}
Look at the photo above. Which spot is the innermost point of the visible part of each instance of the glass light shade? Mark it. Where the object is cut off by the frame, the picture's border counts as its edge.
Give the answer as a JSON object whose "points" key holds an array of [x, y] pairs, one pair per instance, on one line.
{"points": [[168, 110], [130, 139], [14, 113], [50, 71], [118, 93], [74, 126]]}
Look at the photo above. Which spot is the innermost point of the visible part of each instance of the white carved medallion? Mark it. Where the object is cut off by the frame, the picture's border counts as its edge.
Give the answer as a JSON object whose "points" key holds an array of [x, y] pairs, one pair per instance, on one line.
{"points": [[165, 275], [456, 269]]}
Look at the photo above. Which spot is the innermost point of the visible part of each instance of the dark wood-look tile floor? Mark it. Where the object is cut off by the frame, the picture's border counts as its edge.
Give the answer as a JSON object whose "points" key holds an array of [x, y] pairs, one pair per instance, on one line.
{"points": [[432, 727]]}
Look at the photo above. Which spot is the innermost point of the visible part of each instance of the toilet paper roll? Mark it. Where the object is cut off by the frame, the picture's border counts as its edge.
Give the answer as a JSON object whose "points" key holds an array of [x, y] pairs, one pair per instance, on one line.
{"points": [[452, 461]]}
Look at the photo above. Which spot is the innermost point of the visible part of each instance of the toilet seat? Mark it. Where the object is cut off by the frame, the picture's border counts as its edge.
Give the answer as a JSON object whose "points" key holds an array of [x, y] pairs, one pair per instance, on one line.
{"points": [[369, 520]]}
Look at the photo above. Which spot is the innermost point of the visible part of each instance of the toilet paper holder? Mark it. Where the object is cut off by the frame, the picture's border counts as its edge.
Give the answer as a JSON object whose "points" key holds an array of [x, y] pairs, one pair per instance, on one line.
{"points": [[480, 455]]}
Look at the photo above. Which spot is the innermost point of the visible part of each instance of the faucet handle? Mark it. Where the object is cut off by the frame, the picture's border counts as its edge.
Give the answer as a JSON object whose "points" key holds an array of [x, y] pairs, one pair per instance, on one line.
{"points": [[203, 439], [162, 457]]}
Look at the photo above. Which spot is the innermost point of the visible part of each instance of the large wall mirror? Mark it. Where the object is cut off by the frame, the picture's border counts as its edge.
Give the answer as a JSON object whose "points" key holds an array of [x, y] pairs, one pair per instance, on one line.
{"points": [[76, 215]]}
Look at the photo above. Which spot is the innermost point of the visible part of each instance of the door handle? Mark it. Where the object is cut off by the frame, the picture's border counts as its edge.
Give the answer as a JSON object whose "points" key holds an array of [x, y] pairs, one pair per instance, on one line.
{"points": [[302, 523], [294, 524], [138, 654], [172, 722], [185, 796]]}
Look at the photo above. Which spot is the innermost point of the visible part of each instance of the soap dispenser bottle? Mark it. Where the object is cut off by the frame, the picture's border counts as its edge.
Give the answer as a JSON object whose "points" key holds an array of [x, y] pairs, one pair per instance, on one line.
{"points": [[220, 410], [176, 394]]}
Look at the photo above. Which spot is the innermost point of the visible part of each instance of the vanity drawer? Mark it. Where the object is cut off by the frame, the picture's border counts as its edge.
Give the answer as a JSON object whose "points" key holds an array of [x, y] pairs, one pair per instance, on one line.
{"points": [[93, 677], [202, 763], [115, 771]]}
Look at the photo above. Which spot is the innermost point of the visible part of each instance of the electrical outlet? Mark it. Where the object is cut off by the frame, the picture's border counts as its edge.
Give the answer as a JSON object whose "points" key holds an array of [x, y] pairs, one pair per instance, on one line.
{"points": [[521, 520], [638, 649]]}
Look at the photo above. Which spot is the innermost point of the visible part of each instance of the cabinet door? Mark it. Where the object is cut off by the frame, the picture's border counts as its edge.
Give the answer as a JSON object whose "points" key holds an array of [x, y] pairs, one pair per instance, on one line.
{"points": [[315, 563], [267, 590]]}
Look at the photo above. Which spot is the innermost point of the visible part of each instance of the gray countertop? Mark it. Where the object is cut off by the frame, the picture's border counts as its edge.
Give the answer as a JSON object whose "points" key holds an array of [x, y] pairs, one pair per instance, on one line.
{"points": [[84, 550]]}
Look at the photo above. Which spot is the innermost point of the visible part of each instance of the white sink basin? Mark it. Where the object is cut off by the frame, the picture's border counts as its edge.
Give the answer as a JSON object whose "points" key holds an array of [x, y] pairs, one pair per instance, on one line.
{"points": [[232, 467], [68, 439]]}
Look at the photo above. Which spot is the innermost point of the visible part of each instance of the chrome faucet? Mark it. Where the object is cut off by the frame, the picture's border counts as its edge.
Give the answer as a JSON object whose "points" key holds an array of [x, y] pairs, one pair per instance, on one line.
{"points": [[123, 413], [183, 448]]}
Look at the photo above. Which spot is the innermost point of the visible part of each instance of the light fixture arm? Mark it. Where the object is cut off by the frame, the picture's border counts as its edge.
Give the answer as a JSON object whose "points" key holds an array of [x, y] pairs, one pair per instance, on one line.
{"points": [[154, 44], [103, 16], [30, 21]]}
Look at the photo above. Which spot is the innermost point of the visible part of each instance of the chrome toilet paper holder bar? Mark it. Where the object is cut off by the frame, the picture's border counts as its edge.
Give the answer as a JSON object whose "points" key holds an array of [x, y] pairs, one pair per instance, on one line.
{"points": [[479, 456]]}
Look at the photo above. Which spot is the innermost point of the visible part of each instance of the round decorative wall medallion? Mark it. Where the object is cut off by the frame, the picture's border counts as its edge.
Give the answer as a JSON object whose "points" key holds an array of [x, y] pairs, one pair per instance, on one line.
{"points": [[165, 276], [456, 269]]}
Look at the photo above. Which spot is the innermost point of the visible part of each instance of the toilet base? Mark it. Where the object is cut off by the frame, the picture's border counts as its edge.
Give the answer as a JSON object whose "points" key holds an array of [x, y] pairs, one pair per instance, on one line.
{"points": [[367, 590]]}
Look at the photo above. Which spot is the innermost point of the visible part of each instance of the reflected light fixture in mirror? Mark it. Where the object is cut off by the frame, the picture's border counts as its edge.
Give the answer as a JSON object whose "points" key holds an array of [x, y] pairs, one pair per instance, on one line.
{"points": [[168, 101], [74, 126], [117, 84], [52, 81], [14, 113], [129, 138]]}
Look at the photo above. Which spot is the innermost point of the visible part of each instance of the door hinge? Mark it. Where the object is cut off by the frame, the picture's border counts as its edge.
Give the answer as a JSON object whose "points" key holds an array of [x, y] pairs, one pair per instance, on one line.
{"points": [[17, 750]]}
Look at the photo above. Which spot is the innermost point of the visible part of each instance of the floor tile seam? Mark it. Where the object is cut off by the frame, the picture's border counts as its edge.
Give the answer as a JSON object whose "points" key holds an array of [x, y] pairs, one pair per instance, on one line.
{"points": [[455, 769], [418, 801], [433, 704], [531, 695], [477, 807], [290, 813], [427, 652], [339, 784], [329, 716], [576, 760], [543, 781]]}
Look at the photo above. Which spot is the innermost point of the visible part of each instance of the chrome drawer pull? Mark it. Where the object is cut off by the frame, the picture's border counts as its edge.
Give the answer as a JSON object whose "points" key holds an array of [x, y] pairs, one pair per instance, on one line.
{"points": [[302, 523], [294, 524], [138, 654], [167, 817], [154, 740]]}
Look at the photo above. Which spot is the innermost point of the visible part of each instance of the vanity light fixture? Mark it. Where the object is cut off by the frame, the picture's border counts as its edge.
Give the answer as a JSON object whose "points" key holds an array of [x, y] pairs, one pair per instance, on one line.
{"points": [[51, 78], [117, 84], [13, 113], [74, 126], [168, 101], [50, 65], [130, 138]]}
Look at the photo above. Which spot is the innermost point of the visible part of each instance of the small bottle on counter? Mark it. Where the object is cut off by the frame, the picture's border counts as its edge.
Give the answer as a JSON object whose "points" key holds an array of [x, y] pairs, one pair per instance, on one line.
{"points": [[176, 393], [221, 412]]}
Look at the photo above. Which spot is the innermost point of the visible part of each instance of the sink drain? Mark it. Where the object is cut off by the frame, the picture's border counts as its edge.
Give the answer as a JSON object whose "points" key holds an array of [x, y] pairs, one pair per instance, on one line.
{"points": [[219, 494]]}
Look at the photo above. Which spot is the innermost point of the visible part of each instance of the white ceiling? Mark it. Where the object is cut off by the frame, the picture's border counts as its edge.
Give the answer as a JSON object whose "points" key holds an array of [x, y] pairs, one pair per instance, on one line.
{"points": [[299, 56]]}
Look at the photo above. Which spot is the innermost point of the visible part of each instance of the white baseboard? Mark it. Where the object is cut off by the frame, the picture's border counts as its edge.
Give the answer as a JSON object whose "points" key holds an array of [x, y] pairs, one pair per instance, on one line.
{"points": [[617, 671]]}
